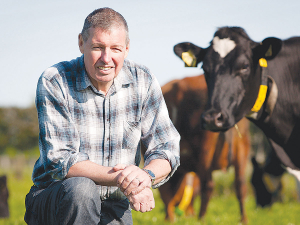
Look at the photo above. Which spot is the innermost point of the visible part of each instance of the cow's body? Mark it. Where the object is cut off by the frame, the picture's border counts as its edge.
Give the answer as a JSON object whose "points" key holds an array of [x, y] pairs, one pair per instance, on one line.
{"points": [[202, 151], [234, 75]]}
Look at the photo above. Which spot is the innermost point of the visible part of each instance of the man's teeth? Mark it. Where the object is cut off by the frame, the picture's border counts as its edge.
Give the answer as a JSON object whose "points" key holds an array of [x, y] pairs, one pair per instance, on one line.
{"points": [[104, 68]]}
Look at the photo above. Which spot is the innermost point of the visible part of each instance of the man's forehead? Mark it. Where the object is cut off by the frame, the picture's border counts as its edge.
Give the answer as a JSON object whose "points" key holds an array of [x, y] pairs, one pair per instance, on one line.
{"points": [[108, 30], [116, 33]]}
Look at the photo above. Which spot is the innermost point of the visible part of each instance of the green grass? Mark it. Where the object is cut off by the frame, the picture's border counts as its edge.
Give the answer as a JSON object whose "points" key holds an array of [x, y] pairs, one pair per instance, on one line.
{"points": [[225, 210], [19, 184], [222, 209]]}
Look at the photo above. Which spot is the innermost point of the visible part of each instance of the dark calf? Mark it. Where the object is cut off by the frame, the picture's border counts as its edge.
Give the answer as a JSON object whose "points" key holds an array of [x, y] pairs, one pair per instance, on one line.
{"points": [[4, 211]]}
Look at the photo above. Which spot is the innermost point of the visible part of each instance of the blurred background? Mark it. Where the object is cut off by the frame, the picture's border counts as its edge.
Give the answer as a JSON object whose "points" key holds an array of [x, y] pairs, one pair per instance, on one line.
{"points": [[38, 34]]}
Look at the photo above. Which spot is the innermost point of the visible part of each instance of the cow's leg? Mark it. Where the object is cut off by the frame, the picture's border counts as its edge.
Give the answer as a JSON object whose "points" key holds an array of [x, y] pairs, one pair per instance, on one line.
{"points": [[206, 157], [207, 186], [174, 201], [171, 194], [240, 181], [166, 196], [196, 190]]}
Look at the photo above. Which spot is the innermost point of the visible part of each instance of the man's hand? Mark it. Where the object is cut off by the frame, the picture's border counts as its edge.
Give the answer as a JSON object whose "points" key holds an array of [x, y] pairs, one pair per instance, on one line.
{"points": [[132, 180], [143, 201]]}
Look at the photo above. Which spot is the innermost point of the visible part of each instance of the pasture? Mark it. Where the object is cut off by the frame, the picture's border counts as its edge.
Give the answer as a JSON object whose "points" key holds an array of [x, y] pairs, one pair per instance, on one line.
{"points": [[222, 209]]}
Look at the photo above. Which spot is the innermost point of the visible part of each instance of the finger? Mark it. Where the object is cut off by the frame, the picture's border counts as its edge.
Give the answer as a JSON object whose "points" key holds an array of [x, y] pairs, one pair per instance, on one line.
{"points": [[144, 207], [142, 185], [131, 186], [130, 182], [119, 167], [127, 170], [135, 206], [152, 204], [150, 199], [129, 174], [134, 187]]}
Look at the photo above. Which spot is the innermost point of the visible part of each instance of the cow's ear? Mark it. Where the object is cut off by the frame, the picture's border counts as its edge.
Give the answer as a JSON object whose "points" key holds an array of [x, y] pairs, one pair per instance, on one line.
{"points": [[268, 48], [191, 54]]}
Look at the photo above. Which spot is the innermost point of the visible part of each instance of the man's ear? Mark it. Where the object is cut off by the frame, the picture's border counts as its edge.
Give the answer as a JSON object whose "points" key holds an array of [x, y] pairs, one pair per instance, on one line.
{"points": [[127, 49], [268, 48], [80, 43], [191, 54]]}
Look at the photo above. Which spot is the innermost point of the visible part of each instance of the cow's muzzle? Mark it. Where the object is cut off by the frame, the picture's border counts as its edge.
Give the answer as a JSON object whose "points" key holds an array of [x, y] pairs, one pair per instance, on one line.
{"points": [[213, 120]]}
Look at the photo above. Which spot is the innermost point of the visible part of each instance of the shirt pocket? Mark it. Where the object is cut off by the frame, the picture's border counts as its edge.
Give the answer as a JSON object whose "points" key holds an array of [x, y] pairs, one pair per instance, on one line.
{"points": [[131, 134]]}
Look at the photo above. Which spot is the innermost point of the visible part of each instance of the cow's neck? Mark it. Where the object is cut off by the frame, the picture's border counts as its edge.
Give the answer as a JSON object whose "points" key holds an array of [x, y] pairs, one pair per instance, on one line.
{"points": [[266, 99]]}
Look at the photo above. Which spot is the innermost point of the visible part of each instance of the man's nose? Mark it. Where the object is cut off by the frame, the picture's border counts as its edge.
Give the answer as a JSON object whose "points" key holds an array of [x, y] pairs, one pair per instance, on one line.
{"points": [[106, 55]]}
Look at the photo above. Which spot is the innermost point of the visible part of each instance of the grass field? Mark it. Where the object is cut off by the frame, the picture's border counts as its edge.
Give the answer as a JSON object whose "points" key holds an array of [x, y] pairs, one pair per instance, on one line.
{"points": [[223, 207]]}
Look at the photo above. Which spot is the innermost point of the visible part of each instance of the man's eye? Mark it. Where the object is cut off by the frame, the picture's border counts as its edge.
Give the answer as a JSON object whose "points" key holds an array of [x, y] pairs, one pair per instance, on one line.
{"points": [[116, 50]]}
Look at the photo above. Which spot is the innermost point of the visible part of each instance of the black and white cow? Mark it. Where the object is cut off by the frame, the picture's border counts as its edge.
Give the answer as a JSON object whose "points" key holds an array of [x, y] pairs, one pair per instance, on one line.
{"points": [[259, 80]]}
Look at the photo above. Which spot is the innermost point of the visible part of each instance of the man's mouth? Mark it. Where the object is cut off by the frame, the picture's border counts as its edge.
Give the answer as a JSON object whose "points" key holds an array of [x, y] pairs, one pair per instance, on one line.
{"points": [[104, 67]]}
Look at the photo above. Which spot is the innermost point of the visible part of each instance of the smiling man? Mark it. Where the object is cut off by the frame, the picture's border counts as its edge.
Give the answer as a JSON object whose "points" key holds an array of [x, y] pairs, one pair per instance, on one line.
{"points": [[94, 113], [104, 53]]}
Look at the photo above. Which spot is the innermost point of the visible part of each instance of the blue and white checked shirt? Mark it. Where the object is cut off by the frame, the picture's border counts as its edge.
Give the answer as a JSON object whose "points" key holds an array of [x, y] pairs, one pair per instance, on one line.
{"points": [[77, 122]]}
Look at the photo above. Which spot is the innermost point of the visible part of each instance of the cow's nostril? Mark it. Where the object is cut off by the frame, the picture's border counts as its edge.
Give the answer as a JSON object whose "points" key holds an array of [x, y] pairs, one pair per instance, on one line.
{"points": [[219, 119], [212, 120]]}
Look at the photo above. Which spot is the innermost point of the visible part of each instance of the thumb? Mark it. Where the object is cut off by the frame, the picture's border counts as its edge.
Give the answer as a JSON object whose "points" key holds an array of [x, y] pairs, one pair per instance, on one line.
{"points": [[119, 167]]}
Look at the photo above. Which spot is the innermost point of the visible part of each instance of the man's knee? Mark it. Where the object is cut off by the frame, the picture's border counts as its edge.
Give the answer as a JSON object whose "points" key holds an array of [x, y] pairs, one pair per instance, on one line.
{"points": [[80, 189], [80, 203]]}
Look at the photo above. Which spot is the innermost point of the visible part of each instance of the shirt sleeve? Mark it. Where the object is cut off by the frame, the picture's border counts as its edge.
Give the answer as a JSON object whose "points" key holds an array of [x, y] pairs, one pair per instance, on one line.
{"points": [[58, 139], [159, 135]]}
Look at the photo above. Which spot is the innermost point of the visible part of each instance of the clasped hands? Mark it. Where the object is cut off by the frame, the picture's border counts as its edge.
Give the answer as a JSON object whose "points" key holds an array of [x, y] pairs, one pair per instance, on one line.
{"points": [[135, 184]]}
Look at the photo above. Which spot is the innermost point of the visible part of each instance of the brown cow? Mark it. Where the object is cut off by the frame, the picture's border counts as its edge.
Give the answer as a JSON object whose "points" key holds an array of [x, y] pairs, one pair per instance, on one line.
{"points": [[202, 151]]}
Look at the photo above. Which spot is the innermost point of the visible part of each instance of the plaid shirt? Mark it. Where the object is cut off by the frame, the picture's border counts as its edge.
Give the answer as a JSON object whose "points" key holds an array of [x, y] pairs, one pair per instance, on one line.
{"points": [[77, 122]]}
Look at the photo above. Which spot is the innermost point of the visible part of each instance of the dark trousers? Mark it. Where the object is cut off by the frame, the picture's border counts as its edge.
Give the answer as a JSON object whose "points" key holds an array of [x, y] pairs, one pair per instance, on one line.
{"points": [[74, 201]]}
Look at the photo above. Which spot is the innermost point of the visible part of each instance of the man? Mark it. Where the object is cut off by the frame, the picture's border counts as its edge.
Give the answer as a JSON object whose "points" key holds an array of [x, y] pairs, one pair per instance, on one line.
{"points": [[94, 111]]}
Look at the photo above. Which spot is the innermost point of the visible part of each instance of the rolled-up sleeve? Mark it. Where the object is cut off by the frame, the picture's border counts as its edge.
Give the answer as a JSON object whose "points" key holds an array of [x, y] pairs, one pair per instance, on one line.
{"points": [[59, 140], [159, 135]]}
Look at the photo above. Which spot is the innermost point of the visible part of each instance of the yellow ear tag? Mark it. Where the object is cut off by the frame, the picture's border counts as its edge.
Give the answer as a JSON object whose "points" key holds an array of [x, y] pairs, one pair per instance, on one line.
{"points": [[189, 58], [263, 62], [260, 98]]}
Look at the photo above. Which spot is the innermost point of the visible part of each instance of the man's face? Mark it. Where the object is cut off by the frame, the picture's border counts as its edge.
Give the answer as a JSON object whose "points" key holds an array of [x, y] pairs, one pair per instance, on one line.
{"points": [[104, 54]]}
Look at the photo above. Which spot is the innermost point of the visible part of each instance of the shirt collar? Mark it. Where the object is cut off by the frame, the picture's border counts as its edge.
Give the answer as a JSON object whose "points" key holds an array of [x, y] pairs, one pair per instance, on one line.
{"points": [[82, 79], [124, 77]]}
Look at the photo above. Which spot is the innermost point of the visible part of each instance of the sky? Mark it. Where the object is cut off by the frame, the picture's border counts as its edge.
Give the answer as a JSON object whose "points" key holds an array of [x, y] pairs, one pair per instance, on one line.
{"points": [[39, 34]]}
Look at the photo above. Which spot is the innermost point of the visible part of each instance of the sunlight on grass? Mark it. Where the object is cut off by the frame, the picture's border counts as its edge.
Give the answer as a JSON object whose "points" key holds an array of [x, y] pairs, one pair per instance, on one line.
{"points": [[222, 209], [19, 184]]}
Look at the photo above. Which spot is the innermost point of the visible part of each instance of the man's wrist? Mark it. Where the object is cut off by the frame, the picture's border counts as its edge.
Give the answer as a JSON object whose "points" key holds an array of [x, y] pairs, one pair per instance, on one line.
{"points": [[151, 175]]}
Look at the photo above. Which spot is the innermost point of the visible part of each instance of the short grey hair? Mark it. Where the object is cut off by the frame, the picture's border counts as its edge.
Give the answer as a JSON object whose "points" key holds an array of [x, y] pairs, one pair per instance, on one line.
{"points": [[106, 19]]}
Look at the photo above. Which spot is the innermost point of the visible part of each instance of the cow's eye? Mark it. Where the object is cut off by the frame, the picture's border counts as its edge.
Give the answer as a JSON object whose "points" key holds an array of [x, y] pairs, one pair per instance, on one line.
{"points": [[244, 68]]}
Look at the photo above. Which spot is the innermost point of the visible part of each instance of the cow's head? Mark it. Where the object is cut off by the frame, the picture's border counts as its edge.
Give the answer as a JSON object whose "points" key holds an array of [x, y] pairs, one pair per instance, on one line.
{"points": [[232, 72]]}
